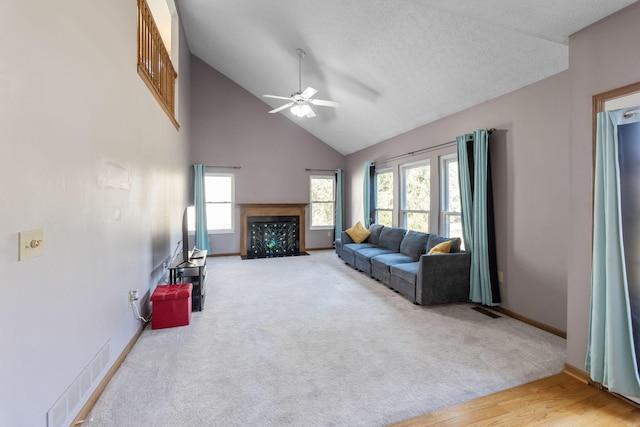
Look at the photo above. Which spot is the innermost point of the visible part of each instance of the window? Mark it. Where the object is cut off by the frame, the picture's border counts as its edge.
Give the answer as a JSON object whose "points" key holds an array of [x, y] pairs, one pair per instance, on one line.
{"points": [[322, 202], [430, 195], [384, 197], [416, 189], [451, 205], [219, 190]]}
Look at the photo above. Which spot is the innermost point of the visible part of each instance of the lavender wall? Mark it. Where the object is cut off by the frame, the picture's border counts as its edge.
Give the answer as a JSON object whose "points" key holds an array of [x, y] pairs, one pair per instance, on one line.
{"points": [[73, 111], [602, 57], [231, 127], [530, 157]]}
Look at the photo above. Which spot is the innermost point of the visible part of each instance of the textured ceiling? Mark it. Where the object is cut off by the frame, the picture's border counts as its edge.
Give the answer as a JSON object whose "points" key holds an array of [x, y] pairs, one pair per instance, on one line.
{"points": [[393, 65]]}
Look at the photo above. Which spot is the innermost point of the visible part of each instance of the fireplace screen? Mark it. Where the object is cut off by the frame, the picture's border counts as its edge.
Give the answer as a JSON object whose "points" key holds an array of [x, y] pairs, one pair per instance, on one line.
{"points": [[273, 236]]}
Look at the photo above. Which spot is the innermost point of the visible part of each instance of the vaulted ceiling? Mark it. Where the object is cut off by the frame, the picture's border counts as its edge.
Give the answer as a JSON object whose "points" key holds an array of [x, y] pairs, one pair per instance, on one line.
{"points": [[392, 65]]}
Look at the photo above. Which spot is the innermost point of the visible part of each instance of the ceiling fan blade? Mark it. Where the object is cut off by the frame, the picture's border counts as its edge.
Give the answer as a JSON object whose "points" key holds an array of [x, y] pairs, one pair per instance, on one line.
{"points": [[310, 113], [308, 92], [324, 103], [288, 98], [275, 110]]}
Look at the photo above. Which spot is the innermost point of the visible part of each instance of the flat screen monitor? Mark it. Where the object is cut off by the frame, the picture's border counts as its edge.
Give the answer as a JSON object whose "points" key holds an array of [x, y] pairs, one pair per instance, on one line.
{"points": [[186, 254]]}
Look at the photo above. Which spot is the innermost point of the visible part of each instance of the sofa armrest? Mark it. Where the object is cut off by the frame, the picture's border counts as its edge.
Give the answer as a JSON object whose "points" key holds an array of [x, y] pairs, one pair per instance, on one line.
{"points": [[345, 238], [443, 278]]}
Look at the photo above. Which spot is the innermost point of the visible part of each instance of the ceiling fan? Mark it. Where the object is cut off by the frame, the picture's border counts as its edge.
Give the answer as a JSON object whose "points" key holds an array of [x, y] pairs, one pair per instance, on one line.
{"points": [[301, 101]]}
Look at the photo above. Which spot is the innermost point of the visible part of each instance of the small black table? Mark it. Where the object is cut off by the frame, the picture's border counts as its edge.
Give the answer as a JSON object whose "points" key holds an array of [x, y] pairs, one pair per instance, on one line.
{"points": [[193, 271]]}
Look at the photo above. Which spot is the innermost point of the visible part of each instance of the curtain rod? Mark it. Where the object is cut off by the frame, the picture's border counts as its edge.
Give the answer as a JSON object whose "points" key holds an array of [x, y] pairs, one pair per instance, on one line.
{"points": [[630, 113], [320, 170], [424, 150], [222, 167], [412, 153]]}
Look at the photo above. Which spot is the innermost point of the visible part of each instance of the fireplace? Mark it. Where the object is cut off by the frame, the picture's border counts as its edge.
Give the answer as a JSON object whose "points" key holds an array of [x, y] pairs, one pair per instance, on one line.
{"points": [[272, 230], [273, 236]]}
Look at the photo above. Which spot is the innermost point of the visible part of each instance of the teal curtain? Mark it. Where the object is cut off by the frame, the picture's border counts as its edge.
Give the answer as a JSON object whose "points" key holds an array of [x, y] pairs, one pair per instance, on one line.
{"points": [[202, 234], [369, 169], [611, 355], [477, 216], [465, 192], [480, 278], [338, 229]]}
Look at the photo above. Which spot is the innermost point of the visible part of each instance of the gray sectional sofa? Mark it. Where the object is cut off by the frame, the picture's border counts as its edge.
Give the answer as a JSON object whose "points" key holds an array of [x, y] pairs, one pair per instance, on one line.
{"points": [[398, 258]]}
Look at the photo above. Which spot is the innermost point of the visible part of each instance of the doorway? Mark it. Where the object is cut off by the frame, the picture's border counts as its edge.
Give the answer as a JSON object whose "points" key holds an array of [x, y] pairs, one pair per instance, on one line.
{"points": [[627, 101]]}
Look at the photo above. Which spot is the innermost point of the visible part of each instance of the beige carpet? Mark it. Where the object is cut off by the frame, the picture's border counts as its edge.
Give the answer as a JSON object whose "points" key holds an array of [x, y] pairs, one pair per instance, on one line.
{"points": [[308, 341]]}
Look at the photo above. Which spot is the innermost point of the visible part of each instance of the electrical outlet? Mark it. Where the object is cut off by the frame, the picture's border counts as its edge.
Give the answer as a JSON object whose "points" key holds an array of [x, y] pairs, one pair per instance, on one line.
{"points": [[133, 296], [31, 244], [500, 277]]}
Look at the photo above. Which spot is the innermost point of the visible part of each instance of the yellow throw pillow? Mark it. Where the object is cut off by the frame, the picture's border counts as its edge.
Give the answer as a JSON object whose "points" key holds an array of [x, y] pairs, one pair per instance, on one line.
{"points": [[441, 248], [358, 233]]}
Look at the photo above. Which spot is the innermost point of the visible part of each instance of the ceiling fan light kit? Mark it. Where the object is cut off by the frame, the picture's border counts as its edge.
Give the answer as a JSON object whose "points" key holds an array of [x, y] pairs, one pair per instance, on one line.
{"points": [[300, 102], [301, 110]]}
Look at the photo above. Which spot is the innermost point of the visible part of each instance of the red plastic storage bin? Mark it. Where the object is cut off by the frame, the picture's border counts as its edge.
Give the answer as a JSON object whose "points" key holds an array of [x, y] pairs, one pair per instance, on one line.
{"points": [[171, 306]]}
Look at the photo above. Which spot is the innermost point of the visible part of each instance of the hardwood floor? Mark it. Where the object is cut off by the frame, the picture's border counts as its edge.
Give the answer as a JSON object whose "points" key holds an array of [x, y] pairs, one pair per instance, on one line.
{"points": [[560, 400]]}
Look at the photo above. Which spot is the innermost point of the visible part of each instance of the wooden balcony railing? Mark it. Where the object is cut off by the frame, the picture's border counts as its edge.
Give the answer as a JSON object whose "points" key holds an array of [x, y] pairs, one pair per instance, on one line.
{"points": [[154, 64]]}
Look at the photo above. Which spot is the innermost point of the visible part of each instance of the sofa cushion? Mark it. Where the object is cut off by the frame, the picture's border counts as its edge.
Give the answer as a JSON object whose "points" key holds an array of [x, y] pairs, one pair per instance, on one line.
{"points": [[392, 258], [413, 244], [435, 240], [380, 265], [375, 231], [349, 251], [352, 247], [368, 253], [358, 233], [364, 256], [441, 248], [390, 238], [407, 272]]}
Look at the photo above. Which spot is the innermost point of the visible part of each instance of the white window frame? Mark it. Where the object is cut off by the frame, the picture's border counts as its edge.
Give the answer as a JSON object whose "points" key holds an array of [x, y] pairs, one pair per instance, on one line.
{"points": [[437, 191], [191, 209], [312, 202], [445, 210], [403, 210], [376, 209]]}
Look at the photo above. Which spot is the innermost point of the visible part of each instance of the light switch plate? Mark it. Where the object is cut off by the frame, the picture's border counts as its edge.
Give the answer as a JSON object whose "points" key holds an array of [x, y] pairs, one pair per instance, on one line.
{"points": [[31, 244]]}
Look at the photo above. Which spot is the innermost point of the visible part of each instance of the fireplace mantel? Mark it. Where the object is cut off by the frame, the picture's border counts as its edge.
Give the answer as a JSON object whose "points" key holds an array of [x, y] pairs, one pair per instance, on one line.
{"points": [[270, 209]]}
